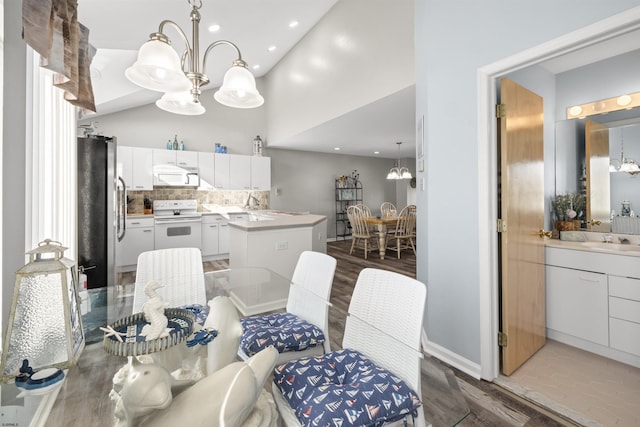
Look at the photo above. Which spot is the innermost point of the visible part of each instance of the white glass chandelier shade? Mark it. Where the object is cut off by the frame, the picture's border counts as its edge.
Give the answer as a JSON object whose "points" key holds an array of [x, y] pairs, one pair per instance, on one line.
{"points": [[626, 164], [158, 68], [238, 88], [180, 103], [398, 172]]}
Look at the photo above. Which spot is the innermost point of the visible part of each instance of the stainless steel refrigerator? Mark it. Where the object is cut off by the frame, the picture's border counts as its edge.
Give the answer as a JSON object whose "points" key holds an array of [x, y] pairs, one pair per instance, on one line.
{"points": [[101, 208]]}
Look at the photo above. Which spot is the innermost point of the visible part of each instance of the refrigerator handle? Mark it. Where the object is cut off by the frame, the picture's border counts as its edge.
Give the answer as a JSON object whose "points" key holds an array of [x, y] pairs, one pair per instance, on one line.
{"points": [[121, 211]]}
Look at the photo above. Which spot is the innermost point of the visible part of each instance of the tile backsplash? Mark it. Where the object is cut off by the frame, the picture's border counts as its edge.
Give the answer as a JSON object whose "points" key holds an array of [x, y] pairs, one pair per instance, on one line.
{"points": [[232, 198]]}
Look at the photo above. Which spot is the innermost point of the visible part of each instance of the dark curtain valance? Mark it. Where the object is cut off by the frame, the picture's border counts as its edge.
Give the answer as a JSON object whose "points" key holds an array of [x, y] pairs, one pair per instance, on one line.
{"points": [[52, 29]]}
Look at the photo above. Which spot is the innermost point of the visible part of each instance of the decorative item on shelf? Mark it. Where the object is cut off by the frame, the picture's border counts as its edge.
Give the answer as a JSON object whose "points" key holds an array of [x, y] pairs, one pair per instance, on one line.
{"points": [[158, 67], [36, 383], [220, 149], [257, 146], [45, 325], [175, 145], [569, 211], [626, 208], [148, 205], [181, 145], [169, 145]]}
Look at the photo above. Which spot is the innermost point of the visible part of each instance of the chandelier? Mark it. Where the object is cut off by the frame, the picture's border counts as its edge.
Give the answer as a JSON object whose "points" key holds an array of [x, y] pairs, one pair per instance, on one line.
{"points": [[158, 67], [627, 165], [398, 172]]}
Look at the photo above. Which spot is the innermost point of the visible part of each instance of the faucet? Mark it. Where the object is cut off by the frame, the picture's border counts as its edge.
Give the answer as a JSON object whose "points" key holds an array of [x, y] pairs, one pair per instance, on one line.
{"points": [[248, 204]]}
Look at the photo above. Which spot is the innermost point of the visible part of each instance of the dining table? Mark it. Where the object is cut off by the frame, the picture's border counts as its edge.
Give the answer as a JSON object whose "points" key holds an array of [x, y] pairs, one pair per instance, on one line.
{"points": [[383, 225]]}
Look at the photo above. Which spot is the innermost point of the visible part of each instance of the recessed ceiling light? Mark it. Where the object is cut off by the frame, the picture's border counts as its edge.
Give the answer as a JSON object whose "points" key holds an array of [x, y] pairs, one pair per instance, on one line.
{"points": [[214, 28], [293, 24], [337, 148], [256, 66], [271, 48], [376, 152]]}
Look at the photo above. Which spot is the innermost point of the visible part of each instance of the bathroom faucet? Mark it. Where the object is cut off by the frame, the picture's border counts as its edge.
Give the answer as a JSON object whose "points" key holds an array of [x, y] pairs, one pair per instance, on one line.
{"points": [[248, 202]]}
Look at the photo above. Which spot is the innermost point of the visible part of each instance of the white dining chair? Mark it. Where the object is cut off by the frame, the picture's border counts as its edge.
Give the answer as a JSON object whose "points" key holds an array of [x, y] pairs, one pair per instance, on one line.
{"points": [[303, 329], [178, 270], [376, 378]]}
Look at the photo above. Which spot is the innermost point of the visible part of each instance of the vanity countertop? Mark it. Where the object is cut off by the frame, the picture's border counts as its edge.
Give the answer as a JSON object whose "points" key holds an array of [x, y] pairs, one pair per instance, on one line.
{"points": [[627, 249]]}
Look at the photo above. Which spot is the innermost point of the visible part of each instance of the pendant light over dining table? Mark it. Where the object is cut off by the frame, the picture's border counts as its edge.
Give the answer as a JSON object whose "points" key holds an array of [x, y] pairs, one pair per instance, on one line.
{"points": [[398, 172], [158, 67]]}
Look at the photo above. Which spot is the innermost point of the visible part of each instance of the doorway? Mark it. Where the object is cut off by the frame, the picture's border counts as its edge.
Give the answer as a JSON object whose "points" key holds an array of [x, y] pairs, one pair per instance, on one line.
{"points": [[488, 77]]}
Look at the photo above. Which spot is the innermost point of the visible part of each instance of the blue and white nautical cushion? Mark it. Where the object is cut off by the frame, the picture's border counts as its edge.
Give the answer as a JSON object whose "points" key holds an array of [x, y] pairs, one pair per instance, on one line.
{"points": [[344, 388], [284, 331]]}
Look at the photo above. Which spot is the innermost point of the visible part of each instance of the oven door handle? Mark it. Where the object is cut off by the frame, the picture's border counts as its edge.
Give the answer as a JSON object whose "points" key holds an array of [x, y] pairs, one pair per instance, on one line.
{"points": [[176, 221]]}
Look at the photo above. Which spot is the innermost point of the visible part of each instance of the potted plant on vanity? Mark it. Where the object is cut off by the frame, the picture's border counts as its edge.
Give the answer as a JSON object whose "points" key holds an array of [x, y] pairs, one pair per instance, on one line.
{"points": [[569, 211]]}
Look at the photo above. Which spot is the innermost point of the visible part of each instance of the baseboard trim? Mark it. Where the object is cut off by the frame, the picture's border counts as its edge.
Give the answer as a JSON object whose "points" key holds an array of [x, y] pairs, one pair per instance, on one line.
{"points": [[451, 358]]}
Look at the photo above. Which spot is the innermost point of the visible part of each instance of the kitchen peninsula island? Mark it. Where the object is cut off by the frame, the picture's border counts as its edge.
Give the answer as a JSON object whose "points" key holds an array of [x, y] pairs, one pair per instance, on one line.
{"points": [[275, 240]]}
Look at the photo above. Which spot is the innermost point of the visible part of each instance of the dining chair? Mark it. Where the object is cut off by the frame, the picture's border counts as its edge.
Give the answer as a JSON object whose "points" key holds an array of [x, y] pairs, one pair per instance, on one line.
{"points": [[303, 328], [375, 378], [388, 210], [404, 234], [178, 270], [360, 231]]}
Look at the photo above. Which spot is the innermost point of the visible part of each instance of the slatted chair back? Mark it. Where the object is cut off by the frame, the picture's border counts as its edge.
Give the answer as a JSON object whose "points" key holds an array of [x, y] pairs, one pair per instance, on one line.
{"points": [[388, 210], [180, 272]]}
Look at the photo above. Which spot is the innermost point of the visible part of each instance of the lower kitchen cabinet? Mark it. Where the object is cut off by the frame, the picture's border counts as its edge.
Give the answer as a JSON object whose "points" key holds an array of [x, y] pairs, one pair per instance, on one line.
{"points": [[138, 238], [215, 235]]}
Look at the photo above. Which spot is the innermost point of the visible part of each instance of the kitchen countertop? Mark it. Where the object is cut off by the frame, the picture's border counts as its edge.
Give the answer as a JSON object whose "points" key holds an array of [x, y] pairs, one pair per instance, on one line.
{"points": [[279, 221]]}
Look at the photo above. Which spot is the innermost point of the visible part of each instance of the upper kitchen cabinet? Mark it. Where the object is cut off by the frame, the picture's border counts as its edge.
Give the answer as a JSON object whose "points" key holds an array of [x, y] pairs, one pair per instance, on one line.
{"points": [[206, 165], [135, 167], [184, 159], [239, 172], [260, 173], [221, 171]]}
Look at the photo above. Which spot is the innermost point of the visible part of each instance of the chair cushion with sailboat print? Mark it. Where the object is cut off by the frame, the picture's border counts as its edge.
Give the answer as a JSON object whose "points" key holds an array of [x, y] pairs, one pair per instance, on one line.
{"points": [[344, 385], [284, 331]]}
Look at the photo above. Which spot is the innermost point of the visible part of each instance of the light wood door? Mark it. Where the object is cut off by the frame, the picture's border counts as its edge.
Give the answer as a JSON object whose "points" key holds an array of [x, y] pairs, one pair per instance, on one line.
{"points": [[597, 155], [521, 207]]}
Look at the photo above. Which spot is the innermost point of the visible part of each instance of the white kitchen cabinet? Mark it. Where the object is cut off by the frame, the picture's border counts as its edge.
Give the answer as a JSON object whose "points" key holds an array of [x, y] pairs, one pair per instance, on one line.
{"points": [[239, 172], [135, 166], [260, 173], [175, 158], [577, 304], [138, 238], [221, 171], [223, 238], [206, 165], [211, 225], [624, 313]]}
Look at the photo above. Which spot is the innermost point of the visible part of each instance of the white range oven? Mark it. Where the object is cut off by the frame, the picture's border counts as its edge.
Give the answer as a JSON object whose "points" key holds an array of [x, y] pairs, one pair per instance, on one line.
{"points": [[178, 224]]}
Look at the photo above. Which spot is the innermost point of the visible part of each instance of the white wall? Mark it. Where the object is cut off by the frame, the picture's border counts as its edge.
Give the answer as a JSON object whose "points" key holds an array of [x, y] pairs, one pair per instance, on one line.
{"points": [[453, 40], [346, 61], [13, 152], [306, 181], [149, 126]]}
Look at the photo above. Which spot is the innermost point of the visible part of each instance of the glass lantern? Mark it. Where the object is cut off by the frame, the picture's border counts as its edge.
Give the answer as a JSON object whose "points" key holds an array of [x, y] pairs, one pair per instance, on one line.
{"points": [[45, 325]]}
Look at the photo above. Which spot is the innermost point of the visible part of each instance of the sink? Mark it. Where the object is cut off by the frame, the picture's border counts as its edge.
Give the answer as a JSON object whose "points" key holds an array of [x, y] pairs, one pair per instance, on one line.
{"points": [[615, 247]]}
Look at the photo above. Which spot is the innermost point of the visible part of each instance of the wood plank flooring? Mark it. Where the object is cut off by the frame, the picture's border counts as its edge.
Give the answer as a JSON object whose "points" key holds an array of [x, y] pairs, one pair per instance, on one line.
{"points": [[450, 396]]}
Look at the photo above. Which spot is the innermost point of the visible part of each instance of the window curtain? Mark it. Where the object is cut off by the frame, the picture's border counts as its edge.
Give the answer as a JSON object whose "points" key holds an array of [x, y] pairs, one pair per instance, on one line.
{"points": [[52, 29], [53, 163]]}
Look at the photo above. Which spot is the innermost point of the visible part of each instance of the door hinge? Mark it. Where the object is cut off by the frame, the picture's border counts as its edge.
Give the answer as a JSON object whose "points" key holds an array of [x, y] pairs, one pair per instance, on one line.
{"points": [[501, 110], [502, 225], [502, 339]]}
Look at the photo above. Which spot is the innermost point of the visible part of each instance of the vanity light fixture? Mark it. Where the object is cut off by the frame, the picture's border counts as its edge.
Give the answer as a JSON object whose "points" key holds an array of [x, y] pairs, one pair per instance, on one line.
{"points": [[398, 172], [158, 67], [623, 102]]}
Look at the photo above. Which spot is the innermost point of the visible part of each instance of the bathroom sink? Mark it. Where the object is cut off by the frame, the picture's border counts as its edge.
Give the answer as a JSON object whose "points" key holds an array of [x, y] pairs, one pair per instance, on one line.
{"points": [[615, 247]]}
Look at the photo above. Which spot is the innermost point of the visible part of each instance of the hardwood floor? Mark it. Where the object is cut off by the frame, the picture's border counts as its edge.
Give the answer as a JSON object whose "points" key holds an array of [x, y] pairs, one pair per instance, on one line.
{"points": [[450, 397], [484, 403]]}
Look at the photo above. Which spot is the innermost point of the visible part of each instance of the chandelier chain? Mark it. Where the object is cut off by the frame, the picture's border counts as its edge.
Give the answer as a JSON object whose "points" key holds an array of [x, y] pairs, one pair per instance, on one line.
{"points": [[197, 4]]}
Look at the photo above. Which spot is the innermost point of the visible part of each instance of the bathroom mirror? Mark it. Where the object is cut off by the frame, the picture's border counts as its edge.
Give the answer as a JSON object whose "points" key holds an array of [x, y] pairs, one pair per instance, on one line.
{"points": [[589, 156]]}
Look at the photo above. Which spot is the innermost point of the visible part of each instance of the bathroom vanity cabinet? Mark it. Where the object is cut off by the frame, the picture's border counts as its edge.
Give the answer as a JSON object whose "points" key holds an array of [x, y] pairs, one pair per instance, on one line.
{"points": [[593, 300]]}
